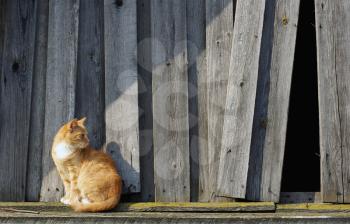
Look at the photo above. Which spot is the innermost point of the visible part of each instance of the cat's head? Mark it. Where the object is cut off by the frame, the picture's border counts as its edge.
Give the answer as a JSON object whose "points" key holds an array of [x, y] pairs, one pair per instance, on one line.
{"points": [[74, 133]]}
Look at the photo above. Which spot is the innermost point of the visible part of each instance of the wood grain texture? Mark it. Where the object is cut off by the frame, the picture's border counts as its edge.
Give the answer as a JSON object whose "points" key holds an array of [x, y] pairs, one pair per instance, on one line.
{"points": [[272, 100], [170, 101], [219, 32], [333, 54], [60, 86], [240, 99], [90, 74], [121, 90], [15, 96], [197, 90], [37, 114], [144, 54]]}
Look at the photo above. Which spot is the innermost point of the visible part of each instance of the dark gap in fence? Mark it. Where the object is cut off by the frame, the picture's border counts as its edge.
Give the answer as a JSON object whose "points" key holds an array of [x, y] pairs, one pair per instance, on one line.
{"points": [[301, 170]]}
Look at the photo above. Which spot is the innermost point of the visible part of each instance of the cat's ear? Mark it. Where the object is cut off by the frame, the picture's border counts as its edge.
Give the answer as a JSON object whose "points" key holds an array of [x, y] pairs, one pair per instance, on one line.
{"points": [[81, 122], [72, 124]]}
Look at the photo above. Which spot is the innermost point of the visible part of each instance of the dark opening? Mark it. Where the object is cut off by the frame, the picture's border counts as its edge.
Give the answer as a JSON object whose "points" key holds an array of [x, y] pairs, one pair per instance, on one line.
{"points": [[301, 170]]}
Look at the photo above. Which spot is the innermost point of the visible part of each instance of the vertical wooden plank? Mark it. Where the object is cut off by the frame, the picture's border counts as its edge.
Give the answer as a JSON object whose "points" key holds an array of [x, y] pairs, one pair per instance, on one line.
{"points": [[333, 54], [121, 90], [219, 22], [272, 100], [90, 76], [145, 99], [15, 97], [197, 88], [37, 114], [60, 85], [170, 101], [240, 99]]}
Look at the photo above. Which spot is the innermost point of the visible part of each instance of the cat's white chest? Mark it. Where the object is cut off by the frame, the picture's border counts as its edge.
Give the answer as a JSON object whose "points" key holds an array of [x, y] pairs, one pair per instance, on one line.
{"points": [[63, 150]]}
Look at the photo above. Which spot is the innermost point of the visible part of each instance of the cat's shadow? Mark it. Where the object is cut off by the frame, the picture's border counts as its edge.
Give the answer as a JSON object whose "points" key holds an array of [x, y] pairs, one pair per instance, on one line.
{"points": [[125, 168]]}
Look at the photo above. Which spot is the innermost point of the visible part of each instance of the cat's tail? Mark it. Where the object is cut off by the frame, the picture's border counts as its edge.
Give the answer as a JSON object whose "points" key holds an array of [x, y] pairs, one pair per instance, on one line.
{"points": [[108, 204]]}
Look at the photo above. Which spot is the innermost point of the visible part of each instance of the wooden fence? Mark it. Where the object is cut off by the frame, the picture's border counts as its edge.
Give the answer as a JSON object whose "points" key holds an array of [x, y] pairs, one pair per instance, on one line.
{"points": [[189, 97]]}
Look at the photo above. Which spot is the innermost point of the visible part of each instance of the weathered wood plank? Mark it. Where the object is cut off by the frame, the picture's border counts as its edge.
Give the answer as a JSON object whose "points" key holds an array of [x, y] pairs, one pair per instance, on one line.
{"points": [[219, 32], [333, 54], [90, 74], [197, 103], [37, 114], [154, 207], [170, 101], [313, 208], [240, 99], [145, 99], [15, 96], [60, 86], [121, 90], [272, 100], [300, 197]]}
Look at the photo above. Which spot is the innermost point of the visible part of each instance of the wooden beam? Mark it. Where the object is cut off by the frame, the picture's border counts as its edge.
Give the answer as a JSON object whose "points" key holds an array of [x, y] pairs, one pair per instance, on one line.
{"points": [[90, 74], [333, 54], [240, 99], [219, 32], [60, 86], [17, 49], [121, 90], [272, 100], [37, 114], [170, 101]]}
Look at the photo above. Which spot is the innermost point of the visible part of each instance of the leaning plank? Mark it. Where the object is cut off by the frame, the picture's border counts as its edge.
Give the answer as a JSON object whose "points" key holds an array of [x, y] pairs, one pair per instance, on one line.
{"points": [[37, 114], [60, 86], [219, 32], [121, 90], [170, 101], [272, 101], [15, 96], [90, 74], [240, 99], [333, 54], [197, 88], [152, 207]]}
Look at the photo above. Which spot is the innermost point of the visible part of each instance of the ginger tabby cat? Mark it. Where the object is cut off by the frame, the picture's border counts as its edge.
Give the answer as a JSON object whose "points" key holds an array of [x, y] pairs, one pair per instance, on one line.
{"points": [[90, 178]]}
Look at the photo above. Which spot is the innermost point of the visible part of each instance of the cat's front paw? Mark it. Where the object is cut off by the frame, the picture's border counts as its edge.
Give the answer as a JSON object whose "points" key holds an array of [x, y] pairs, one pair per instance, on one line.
{"points": [[65, 201]]}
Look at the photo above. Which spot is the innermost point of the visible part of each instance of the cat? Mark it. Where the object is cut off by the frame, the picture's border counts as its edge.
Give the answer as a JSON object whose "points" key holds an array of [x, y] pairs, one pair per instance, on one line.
{"points": [[90, 177]]}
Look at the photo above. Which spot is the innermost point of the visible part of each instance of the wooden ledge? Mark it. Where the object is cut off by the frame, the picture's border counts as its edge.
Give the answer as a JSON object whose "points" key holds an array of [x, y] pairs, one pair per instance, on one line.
{"points": [[314, 208], [151, 207]]}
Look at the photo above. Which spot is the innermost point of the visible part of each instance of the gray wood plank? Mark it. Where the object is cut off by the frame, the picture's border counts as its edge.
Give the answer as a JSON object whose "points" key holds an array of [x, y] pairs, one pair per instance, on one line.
{"points": [[272, 100], [170, 101], [60, 86], [15, 97], [197, 88], [333, 54], [145, 99], [240, 99], [121, 90], [37, 115], [90, 75], [219, 32]]}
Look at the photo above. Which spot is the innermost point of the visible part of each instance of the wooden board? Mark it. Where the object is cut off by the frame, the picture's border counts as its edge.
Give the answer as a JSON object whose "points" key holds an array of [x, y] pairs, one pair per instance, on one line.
{"points": [[170, 101], [272, 100], [37, 114], [240, 99], [333, 54], [197, 90], [15, 96], [152, 207], [219, 32], [90, 74], [145, 99], [300, 197], [60, 86], [121, 90]]}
